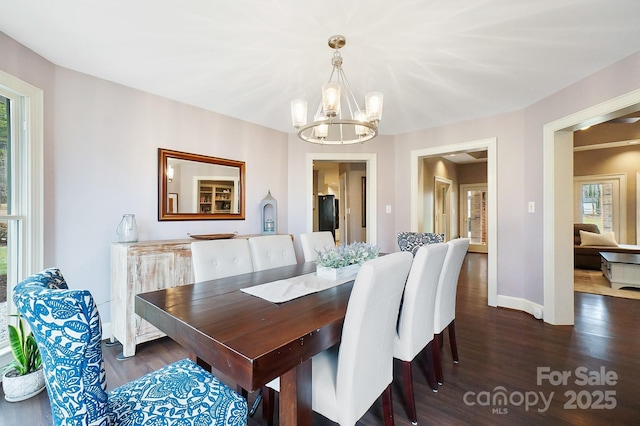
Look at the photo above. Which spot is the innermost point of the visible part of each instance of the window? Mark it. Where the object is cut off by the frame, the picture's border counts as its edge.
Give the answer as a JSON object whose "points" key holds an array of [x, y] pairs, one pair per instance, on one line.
{"points": [[601, 200], [21, 234]]}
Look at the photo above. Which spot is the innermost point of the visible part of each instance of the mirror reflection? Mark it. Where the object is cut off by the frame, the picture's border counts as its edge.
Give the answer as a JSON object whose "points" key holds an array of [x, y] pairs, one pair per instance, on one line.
{"points": [[198, 187]]}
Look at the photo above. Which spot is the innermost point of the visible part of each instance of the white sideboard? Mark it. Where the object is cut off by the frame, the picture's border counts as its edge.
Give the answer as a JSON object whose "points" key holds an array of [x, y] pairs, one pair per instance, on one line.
{"points": [[139, 268]]}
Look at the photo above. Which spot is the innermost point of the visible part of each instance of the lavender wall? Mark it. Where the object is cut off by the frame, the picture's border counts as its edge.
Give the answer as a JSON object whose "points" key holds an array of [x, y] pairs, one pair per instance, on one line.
{"points": [[106, 139], [508, 129], [101, 143]]}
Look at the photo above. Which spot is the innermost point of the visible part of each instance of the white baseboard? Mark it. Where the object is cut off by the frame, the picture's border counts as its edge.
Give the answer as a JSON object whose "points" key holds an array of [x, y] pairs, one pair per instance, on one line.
{"points": [[519, 304]]}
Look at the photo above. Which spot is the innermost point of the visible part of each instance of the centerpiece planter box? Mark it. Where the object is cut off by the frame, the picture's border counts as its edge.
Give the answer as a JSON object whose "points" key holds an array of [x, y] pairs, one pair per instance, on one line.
{"points": [[337, 273], [330, 259]]}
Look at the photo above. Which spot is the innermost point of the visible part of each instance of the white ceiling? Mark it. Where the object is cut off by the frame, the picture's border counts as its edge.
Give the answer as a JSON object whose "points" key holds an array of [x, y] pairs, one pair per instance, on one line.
{"points": [[436, 61]]}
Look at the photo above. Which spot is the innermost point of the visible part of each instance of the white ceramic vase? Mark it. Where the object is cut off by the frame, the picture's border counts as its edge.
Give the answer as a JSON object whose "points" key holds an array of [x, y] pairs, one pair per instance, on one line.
{"points": [[18, 388]]}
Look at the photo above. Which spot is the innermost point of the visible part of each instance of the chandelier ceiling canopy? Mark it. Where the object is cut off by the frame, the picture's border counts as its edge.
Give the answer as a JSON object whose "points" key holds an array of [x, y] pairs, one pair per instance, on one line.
{"points": [[338, 119]]}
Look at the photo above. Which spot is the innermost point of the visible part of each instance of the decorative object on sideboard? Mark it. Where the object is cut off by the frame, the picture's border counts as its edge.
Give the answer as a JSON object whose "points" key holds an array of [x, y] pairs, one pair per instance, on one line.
{"points": [[269, 214], [127, 229], [344, 261], [212, 236], [336, 122]]}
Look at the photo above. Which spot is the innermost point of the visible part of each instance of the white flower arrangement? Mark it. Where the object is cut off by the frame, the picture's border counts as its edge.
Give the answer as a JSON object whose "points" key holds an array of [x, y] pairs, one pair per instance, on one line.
{"points": [[353, 254]]}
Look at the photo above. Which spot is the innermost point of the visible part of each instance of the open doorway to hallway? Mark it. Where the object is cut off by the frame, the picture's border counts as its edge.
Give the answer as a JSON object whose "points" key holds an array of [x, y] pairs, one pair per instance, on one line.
{"points": [[339, 194], [454, 197], [428, 163], [367, 186]]}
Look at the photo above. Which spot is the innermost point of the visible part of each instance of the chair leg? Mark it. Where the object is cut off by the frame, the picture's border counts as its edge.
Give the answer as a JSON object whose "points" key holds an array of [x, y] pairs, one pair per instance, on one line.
{"points": [[437, 363], [452, 341], [431, 371], [387, 406], [268, 400], [407, 380], [440, 340]]}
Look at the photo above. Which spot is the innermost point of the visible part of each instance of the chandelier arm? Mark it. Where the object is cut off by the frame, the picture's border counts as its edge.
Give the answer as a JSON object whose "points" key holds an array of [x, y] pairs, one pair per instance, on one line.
{"points": [[333, 70], [349, 94]]}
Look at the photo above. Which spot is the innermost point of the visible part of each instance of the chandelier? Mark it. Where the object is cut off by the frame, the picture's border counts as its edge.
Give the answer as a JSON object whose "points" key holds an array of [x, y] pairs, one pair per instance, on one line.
{"points": [[336, 122]]}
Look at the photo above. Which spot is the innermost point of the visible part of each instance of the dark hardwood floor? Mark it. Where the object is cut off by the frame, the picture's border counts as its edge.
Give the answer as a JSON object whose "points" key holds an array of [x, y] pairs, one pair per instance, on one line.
{"points": [[500, 353]]}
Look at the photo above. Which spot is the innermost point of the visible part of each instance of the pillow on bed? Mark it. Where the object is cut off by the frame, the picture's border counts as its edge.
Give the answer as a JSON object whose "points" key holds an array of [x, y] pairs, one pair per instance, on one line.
{"points": [[606, 239]]}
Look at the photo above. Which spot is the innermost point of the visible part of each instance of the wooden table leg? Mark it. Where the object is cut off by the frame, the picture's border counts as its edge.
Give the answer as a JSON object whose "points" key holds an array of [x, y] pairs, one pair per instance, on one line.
{"points": [[295, 396]]}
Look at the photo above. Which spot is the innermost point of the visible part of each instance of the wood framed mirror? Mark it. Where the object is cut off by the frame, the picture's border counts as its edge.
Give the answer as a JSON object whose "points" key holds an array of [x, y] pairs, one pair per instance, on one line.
{"points": [[198, 187]]}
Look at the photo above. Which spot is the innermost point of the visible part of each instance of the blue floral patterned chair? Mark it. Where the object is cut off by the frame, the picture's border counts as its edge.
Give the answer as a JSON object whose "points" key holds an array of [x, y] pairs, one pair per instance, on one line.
{"points": [[412, 241], [66, 325]]}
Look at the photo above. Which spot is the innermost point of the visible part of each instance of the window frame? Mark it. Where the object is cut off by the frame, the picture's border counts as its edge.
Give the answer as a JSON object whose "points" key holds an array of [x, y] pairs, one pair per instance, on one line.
{"points": [[619, 181], [26, 218]]}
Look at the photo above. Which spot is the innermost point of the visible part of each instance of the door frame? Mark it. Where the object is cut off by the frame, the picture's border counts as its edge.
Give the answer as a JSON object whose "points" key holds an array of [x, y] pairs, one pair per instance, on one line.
{"points": [[447, 201], [490, 145], [344, 205], [637, 208]]}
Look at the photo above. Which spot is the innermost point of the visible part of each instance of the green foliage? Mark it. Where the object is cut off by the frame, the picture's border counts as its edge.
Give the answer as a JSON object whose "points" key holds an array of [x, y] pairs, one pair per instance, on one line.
{"points": [[24, 348], [353, 254]]}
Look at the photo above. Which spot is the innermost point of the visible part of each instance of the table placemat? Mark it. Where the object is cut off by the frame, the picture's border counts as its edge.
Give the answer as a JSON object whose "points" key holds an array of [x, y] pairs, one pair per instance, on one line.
{"points": [[284, 290]]}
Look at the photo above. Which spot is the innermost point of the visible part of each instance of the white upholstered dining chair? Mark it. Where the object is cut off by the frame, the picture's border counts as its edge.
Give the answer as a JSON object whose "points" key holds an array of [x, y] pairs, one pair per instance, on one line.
{"points": [[349, 377], [215, 259], [220, 258], [312, 241], [445, 307], [415, 323], [272, 251]]}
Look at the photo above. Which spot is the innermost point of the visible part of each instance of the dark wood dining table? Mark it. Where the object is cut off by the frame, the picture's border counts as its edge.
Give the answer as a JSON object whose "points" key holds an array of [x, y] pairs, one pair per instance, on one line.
{"points": [[251, 340]]}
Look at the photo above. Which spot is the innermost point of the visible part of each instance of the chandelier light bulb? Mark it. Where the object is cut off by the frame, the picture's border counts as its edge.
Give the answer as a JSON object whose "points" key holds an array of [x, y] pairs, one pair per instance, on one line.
{"points": [[321, 130], [373, 104], [298, 112], [331, 99], [362, 117]]}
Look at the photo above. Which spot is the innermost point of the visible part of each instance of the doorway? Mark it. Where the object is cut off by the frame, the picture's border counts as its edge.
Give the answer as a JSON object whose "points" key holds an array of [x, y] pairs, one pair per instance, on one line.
{"points": [[357, 214], [558, 200], [473, 216], [442, 207], [417, 204], [339, 199]]}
